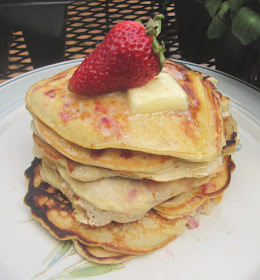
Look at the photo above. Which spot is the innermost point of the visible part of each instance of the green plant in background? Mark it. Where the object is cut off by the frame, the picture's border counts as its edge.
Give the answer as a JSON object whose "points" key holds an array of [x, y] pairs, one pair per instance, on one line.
{"points": [[243, 16]]}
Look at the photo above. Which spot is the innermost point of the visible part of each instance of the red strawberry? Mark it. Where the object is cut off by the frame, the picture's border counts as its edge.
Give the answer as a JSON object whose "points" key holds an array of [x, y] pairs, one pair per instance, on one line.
{"points": [[129, 56]]}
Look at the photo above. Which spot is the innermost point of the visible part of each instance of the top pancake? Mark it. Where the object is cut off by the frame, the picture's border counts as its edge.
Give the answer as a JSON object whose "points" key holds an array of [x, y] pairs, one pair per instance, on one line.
{"points": [[104, 121]]}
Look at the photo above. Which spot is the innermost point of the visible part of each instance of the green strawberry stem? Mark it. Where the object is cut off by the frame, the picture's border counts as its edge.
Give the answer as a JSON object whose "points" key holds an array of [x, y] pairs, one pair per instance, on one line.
{"points": [[153, 28]]}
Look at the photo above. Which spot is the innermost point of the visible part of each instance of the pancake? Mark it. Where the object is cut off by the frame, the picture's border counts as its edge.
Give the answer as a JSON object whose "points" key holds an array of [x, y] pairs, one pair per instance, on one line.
{"points": [[176, 170], [100, 255], [190, 201], [121, 185], [115, 159], [54, 211], [230, 134], [85, 173], [123, 200], [195, 135]]}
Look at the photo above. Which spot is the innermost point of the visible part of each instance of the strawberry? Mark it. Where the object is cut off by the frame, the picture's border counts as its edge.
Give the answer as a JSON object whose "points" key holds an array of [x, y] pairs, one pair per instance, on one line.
{"points": [[129, 56]]}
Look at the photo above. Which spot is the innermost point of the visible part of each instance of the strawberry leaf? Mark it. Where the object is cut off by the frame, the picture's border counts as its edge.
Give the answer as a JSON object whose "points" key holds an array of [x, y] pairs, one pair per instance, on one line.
{"points": [[153, 28]]}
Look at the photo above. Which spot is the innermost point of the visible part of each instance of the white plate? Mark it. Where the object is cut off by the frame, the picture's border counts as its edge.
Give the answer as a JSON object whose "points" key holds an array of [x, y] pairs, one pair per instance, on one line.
{"points": [[226, 245]]}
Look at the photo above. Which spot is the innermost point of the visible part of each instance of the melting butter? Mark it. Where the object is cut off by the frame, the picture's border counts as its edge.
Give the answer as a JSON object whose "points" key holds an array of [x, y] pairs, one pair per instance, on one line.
{"points": [[162, 93]]}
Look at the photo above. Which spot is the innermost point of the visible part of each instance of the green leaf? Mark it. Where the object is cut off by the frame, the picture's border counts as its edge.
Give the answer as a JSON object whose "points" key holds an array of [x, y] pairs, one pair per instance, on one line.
{"points": [[246, 25], [153, 28], [60, 251], [139, 20], [212, 6], [217, 28], [85, 270], [223, 11], [235, 5], [220, 23]]}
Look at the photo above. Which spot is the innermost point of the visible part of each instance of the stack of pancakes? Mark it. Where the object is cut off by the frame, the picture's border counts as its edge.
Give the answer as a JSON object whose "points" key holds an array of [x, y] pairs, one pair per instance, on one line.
{"points": [[121, 185]]}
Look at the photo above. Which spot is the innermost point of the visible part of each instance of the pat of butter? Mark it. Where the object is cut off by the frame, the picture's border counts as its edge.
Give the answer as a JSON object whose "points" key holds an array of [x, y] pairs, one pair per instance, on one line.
{"points": [[162, 93]]}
